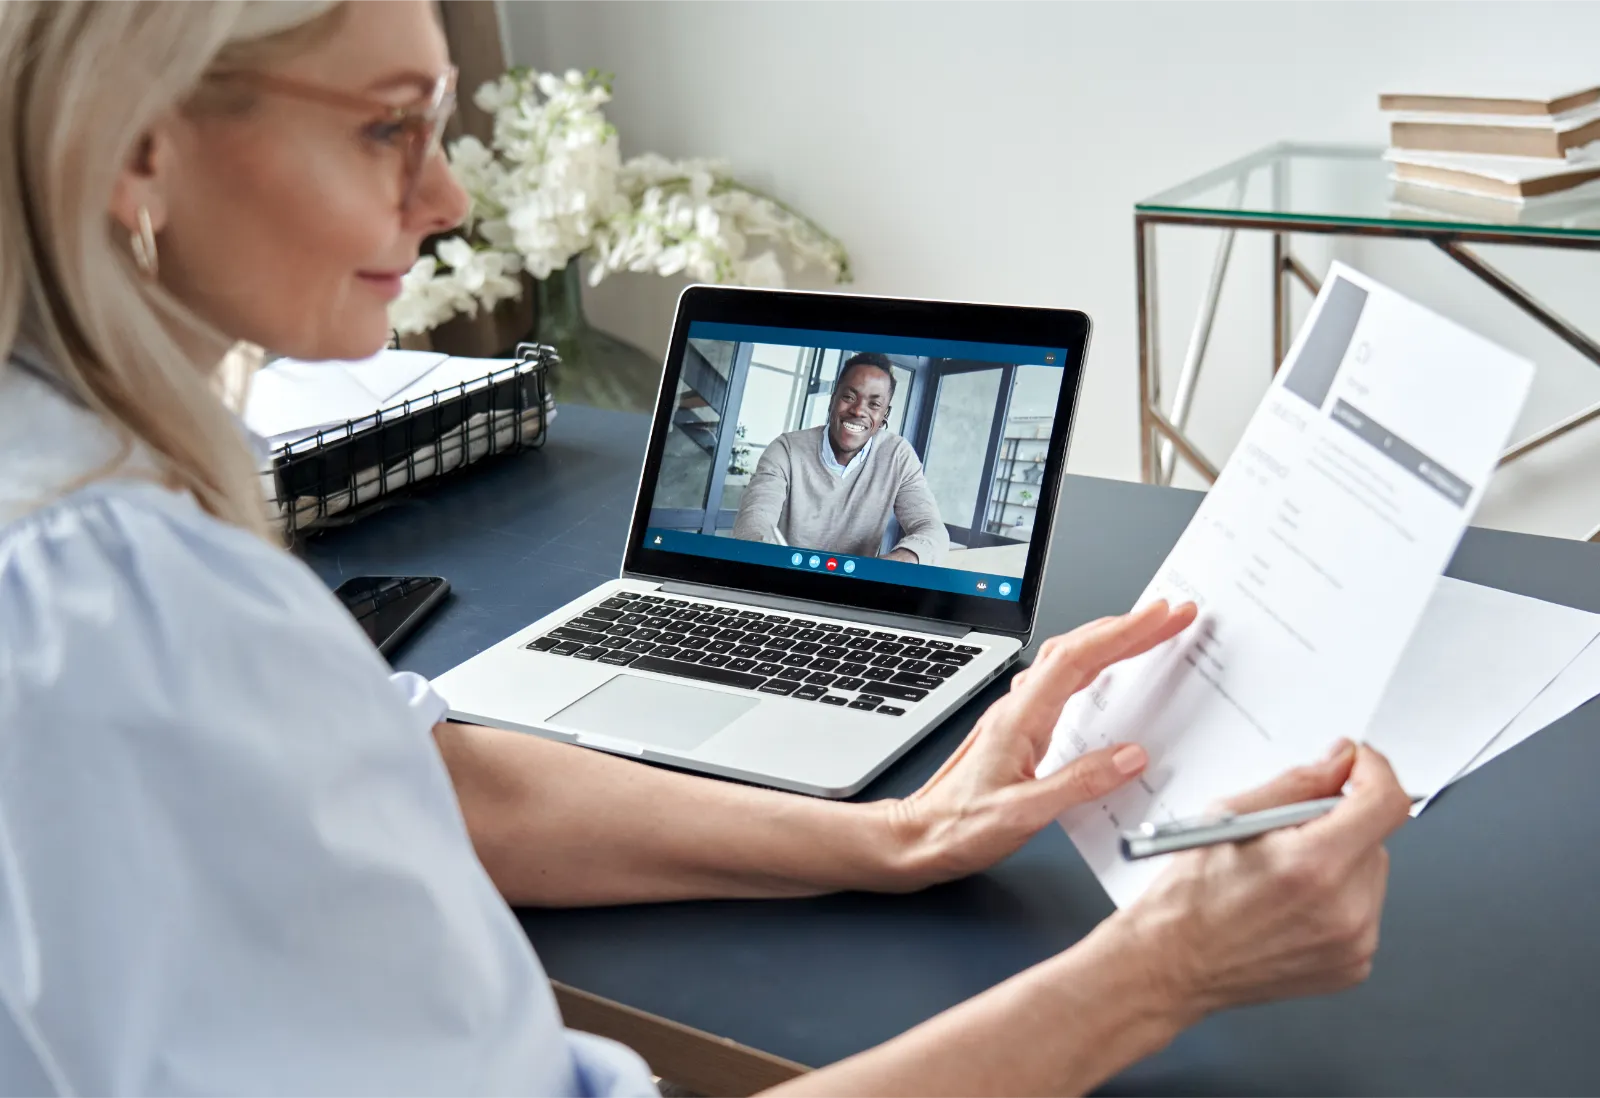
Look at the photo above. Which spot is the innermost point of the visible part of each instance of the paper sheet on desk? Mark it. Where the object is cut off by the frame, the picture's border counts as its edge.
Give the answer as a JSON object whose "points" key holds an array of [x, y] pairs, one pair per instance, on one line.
{"points": [[1577, 684], [1477, 659], [1312, 560]]}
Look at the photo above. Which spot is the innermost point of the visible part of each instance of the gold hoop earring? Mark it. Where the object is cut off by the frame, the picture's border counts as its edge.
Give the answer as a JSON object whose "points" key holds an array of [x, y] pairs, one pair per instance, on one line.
{"points": [[144, 246]]}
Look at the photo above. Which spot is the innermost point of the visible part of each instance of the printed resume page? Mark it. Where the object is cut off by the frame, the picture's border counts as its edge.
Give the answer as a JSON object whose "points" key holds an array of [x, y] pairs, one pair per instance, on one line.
{"points": [[1311, 560]]}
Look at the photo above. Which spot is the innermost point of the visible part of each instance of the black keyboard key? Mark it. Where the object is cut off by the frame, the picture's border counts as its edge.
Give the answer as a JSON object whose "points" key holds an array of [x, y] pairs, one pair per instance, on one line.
{"points": [[642, 648], [969, 649], [616, 643], [943, 645], [796, 659], [795, 674], [809, 648], [603, 613], [886, 661], [957, 659], [821, 678], [646, 634], [810, 635], [756, 614], [918, 666], [898, 693], [667, 652], [852, 668], [597, 625], [720, 646], [675, 603], [765, 669], [741, 665], [782, 631], [593, 652], [849, 684], [651, 598], [754, 628], [567, 633], [919, 653], [942, 670], [801, 623], [824, 665], [714, 659], [878, 674], [696, 643], [873, 698], [730, 635], [714, 619], [658, 623], [833, 699], [620, 630], [854, 631], [887, 648], [720, 675], [634, 619], [829, 627], [883, 636], [685, 655], [810, 692], [923, 682], [618, 659], [782, 643], [617, 602], [745, 651], [672, 636], [703, 630], [862, 704], [779, 619], [688, 613], [834, 652], [892, 710], [778, 686], [861, 644], [543, 644]]}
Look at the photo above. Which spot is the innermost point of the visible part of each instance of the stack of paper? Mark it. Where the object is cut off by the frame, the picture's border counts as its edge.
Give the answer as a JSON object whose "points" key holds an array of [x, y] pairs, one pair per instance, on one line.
{"points": [[1510, 149], [291, 400], [1315, 561]]}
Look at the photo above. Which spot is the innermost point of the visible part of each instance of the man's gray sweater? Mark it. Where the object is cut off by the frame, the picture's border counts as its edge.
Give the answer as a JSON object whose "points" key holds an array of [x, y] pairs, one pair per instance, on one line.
{"points": [[793, 499]]}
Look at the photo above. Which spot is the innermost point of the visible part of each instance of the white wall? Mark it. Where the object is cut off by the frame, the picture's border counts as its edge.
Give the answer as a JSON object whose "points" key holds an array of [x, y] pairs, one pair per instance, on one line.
{"points": [[994, 151]]}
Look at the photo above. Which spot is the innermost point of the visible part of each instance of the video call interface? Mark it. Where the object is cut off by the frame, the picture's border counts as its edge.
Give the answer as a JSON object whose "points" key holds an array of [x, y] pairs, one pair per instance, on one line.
{"points": [[880, 458]]}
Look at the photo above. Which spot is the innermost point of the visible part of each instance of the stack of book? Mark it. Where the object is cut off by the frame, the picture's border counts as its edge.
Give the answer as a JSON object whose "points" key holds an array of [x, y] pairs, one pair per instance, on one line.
{"points": [[1508, 149]]}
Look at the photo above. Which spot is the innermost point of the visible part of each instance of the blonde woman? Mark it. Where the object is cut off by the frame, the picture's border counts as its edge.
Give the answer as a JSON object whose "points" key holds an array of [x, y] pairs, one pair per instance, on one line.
{"points": [[235, 854]]}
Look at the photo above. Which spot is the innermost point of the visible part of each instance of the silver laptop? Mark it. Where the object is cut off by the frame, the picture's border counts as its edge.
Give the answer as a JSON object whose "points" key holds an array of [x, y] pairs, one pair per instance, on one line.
{"points": [[839, 537]]}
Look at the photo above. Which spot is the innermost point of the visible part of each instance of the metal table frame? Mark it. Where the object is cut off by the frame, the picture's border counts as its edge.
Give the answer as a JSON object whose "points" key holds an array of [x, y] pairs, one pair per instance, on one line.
{"points": [[1161, 433]]}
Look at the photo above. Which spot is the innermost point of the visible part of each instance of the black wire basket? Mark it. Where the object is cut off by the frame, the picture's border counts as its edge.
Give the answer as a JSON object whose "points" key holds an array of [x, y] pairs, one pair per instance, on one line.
{"points": [[343, 473]]}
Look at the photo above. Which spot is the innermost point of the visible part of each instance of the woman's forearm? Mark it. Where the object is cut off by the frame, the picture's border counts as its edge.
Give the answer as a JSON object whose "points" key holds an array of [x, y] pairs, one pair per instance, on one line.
{"points": [[1061, 1027], [557, 825]]}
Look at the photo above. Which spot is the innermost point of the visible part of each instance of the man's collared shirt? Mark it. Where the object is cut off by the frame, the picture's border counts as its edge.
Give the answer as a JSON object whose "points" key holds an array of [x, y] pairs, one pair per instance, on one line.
{"points": [[830, 463]]}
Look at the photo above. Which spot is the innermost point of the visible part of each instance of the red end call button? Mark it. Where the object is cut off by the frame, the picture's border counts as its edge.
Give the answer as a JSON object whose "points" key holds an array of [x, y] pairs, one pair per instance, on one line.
{"points": [[833, 564]]}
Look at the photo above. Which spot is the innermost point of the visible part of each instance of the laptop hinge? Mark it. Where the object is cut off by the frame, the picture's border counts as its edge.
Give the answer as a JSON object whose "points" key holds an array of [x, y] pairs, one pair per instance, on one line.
{"points": [[801, 606]]}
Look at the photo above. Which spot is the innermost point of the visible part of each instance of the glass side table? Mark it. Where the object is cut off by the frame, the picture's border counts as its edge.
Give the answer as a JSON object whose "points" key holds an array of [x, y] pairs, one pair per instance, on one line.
{"points": [[1344, 191]]}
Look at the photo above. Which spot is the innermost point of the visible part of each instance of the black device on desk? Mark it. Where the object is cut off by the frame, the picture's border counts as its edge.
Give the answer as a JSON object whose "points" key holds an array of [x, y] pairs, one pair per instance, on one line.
{"points": [[390, 607]]}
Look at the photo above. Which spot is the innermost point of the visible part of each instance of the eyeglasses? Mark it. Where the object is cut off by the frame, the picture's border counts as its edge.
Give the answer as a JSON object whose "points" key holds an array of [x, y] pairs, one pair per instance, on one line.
{"points": [[421, 127]]}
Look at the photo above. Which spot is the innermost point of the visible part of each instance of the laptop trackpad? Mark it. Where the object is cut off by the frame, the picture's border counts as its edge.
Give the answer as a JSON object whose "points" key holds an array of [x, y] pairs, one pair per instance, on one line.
{"points": [[653, 713]]}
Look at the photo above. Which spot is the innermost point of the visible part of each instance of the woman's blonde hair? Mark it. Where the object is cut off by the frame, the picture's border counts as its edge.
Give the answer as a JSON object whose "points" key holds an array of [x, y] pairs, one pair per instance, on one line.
{"points": [[80, 81]]}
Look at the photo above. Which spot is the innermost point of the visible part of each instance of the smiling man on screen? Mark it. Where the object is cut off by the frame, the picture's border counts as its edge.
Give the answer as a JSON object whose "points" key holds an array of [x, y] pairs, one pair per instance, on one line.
{"points": [[834, 487]]}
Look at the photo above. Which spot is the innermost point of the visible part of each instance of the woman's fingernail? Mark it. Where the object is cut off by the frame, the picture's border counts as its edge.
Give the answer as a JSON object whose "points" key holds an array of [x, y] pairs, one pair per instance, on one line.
{"points": [[1341, 750], [1129, 759]]}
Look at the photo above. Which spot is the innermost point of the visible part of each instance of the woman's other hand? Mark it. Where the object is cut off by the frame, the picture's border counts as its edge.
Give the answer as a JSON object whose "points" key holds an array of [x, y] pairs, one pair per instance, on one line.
{"points": [[985, 802], [1294, 912]]}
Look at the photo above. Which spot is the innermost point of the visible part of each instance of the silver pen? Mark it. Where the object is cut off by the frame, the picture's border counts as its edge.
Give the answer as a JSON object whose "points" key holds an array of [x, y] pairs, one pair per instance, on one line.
{"points": [[1151, 839]]}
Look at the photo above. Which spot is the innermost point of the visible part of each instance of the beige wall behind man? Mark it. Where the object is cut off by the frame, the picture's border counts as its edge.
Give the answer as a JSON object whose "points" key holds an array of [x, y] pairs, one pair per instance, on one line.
{"points": [[993, 151]]}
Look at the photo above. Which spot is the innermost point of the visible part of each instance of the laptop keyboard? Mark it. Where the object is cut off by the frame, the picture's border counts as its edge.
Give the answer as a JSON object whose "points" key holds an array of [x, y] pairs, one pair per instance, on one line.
{"points": [[876, 670]]}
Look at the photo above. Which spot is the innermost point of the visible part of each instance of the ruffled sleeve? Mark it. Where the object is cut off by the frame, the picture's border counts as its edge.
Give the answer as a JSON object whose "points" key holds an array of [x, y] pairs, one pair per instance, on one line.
{"points": [[231, 858]]}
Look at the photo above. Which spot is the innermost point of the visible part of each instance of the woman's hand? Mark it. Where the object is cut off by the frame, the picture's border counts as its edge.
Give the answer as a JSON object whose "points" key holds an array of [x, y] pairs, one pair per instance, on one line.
{"points": [[985, 802], [1294, 912]]}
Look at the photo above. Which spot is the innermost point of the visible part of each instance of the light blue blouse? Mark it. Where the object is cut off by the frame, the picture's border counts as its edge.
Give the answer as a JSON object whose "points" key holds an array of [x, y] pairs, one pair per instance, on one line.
{"points": [[231, 859]]}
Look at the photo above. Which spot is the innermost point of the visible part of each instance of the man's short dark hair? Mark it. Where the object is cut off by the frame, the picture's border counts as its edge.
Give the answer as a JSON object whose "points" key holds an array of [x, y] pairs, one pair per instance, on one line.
{"points": [[866, 358]]}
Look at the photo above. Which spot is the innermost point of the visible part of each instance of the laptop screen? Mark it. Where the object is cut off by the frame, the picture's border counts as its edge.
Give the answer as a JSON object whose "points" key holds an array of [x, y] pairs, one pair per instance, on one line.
{"points": [[869, 459]]}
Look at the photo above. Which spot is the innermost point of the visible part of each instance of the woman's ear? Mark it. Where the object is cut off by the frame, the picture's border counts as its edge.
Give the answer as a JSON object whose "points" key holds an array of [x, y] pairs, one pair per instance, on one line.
{"points": [[142, 182]]}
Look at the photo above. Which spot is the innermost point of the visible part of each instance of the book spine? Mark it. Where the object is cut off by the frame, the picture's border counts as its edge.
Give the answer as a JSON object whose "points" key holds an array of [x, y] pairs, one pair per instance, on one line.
{"points": [[1480, 140]]}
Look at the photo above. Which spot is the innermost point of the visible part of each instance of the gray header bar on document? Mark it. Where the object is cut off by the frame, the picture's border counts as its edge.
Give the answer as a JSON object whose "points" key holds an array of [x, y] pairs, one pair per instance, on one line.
{"points": [[1402, 453]]}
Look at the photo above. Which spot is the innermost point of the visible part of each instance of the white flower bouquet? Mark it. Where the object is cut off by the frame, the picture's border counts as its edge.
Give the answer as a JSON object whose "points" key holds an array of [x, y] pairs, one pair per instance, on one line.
{"points": [[554, 187]]}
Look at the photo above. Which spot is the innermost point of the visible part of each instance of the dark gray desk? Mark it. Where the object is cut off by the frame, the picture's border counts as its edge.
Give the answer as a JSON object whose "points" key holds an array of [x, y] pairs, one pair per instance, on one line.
{"points": [[1485, 984]]}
